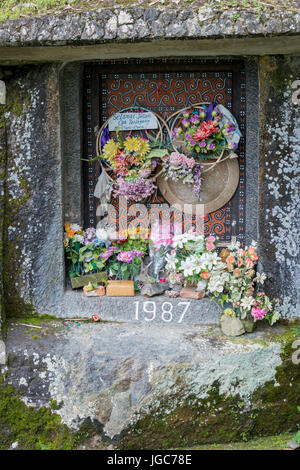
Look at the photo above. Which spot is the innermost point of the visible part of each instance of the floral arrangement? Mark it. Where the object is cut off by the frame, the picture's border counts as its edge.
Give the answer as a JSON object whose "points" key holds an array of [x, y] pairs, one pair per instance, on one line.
{"points": [[94, 250], [188, 259], [177, 166], [133, 161], [192, 259], [232, 281], [124, 257], [84, 249], [205, 132]]}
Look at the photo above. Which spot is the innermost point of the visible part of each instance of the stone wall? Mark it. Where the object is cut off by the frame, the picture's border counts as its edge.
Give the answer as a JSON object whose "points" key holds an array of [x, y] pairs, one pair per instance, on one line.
{"points": [[279, 216], [142, 24], [33, 233]]}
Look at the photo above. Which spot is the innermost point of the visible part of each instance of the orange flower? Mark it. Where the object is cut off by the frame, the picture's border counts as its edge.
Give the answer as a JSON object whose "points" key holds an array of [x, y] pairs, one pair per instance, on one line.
{"points": [[67, 226], [230, 259], [229, 267], [240, 262], [237, 272], [71, 233], [205, 275], [251, 251], [254, 257], [249, 263]]}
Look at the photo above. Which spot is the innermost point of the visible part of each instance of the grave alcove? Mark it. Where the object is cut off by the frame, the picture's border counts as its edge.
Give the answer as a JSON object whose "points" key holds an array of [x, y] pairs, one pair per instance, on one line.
{"points": [[165, 86]]}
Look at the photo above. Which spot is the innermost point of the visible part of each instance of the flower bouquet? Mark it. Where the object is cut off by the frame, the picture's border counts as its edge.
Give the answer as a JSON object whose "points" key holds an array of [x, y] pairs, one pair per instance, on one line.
{"points": [[178, 167], [192, 259], [233, 280], [124, 256], [206, 132], [83, 250], [133, 161]]}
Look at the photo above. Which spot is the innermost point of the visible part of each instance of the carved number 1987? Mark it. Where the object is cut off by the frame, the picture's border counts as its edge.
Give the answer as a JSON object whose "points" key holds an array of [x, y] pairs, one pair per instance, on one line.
{"points": [[166, 312]]}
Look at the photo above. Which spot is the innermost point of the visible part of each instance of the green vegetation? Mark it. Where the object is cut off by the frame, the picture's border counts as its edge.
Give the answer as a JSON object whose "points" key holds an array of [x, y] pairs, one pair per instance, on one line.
{"points": [[13, 9], [263, 443], [36, 428]]}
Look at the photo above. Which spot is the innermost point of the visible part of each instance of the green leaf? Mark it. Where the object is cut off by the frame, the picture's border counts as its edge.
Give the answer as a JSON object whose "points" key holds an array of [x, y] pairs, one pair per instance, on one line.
{"points": [[297, 437], [158, 153]]}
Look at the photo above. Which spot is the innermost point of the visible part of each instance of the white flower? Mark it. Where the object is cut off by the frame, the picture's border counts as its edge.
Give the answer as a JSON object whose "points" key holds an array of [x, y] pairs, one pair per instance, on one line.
{"points": [[75, 227], [102, 234], [275, 317], [201, 285], [178, 241], [260, 278], [233, 246], [247, 302], [171, 262], [209, 259], [187, 266], [78, 238]]}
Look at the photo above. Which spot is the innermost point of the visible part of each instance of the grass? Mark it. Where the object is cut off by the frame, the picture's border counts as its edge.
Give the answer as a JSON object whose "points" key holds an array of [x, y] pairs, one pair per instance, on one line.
{"points": [[13, 9], [263, 443]]}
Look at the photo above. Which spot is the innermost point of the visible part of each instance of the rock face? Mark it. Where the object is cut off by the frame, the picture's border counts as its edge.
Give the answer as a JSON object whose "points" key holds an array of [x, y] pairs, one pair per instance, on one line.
{"points": [[127, 377], [144, 23], [278, 215]]}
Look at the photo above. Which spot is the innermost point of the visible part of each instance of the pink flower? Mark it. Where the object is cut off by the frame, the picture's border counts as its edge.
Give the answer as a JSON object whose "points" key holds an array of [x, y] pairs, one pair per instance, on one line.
{"points": [[258, 313], [211, 238], [210, 246]]}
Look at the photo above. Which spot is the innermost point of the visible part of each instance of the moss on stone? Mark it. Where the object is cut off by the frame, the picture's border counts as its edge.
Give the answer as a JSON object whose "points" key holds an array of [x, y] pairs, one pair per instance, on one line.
{"points": [[17, 102], [36, 428], [219, 418]]}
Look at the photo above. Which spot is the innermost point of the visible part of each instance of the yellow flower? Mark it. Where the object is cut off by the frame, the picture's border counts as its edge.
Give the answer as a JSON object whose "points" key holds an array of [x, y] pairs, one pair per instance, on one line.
{"points": [[144, 147], [132, 144], [110, 150], [230, 312]]}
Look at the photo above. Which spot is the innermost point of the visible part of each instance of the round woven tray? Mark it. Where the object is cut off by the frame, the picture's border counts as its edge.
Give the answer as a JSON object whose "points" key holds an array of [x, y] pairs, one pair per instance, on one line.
{"points": [[218, 187]]}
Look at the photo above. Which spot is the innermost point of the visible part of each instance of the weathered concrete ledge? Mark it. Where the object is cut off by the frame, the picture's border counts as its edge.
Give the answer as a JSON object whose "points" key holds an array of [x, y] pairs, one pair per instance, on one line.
{"points": [[248, 46], [157, 386], [136, 24], [161, 309]]}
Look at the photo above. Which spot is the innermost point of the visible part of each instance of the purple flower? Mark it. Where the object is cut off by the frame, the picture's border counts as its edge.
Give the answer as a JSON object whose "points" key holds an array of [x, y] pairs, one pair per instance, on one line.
{"points": [[195, 119], [105, 137], [211, 146], [125, 256], [138, 190], [202, 143], [138, 253], [185, 123]]}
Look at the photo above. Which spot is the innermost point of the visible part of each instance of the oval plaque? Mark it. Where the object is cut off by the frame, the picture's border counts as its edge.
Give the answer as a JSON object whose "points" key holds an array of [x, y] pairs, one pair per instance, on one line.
{"points": [[218, 187]]}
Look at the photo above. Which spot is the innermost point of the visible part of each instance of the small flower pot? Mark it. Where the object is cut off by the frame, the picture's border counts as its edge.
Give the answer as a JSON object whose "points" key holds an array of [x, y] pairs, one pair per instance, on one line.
{"points": [[192, 293], [120, 289], [249, 325]]}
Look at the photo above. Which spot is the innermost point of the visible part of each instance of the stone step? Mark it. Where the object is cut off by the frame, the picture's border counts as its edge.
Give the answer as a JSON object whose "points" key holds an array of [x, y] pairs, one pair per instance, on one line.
{"points": [[138, 309], [119, 374]]}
